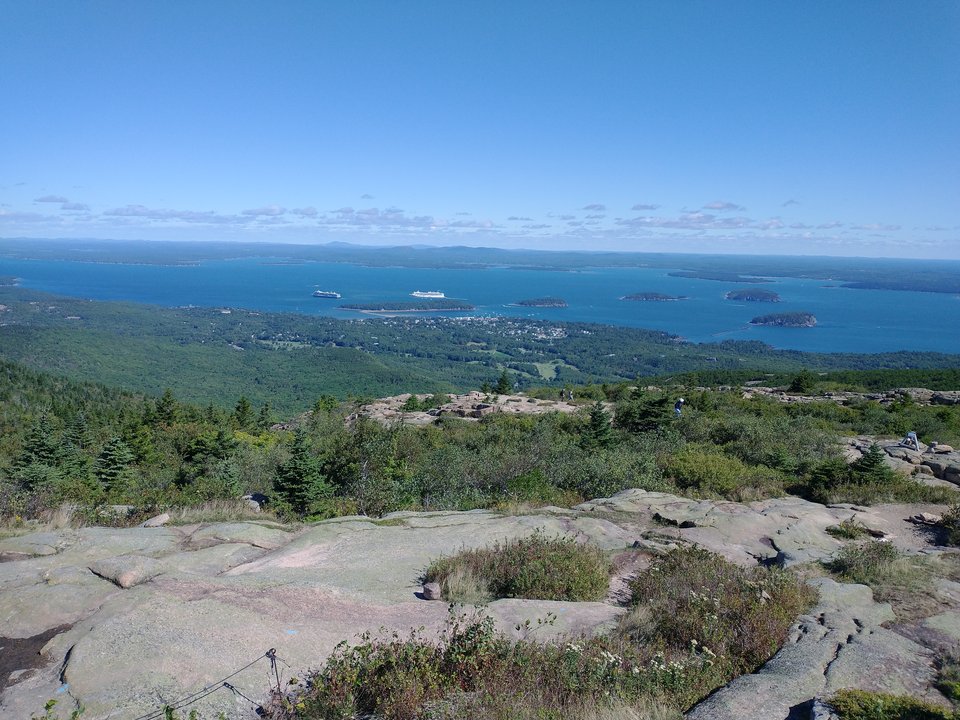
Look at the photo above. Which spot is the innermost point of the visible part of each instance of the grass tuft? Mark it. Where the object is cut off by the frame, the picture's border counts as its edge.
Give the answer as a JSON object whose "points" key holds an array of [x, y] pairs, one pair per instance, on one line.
{"points": [[863, 705], [849, 529], [536, 567]]}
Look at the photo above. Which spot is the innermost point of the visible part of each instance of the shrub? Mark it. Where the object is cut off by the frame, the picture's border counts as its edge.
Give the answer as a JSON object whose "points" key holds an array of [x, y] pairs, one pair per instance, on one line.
{"points": [[849, 529], [863, 705], [697, 598], [471, 671], [948, 676], [535, 567], [950, 522], [833, 481], [868, 563], [709, 472]]}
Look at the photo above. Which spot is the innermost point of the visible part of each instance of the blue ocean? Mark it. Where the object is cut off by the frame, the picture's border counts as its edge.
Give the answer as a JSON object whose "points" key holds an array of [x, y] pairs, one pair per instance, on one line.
{"points": [[848, 320]]}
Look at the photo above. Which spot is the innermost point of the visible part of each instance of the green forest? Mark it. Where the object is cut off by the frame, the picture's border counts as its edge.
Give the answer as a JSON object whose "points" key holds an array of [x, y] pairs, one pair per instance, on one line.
{"points": [[288, 360], [93, 446]]}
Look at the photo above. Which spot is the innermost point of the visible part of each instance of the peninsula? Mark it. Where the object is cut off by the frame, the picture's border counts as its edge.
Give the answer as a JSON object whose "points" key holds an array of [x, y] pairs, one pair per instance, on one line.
{"points": [[410, 306]]}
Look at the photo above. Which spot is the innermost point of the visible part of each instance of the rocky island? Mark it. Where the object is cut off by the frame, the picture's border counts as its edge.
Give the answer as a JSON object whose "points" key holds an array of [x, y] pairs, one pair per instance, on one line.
{"points": [[790, 319], [753, 295], [544, 302], [653, 297]]}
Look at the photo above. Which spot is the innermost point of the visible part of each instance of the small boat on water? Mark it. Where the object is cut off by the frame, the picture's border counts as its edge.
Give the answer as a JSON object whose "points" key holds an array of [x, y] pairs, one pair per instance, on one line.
{"points": [[327, 294], [433, 294]]}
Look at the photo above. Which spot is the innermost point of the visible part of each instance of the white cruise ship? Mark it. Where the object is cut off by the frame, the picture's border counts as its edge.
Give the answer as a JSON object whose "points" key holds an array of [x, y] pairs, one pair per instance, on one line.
{"points": [[433, 294]]}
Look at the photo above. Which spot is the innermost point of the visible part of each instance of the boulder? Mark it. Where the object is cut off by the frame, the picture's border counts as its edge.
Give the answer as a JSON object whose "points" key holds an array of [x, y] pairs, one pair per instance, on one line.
{"points": [[126, 571], [157, 520], [431, 591], [251, 533]]}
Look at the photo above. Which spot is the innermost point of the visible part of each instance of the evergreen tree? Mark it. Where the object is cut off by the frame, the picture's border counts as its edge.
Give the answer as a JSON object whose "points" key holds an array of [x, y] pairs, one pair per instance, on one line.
{"points": [[802, 383], [40, 446], [643, 413], [324, 404], [504, 386], [77, 432], [871, 467], [300, 481], [113, 466], [598, 433], [264, 420], [243, 413], [167, 408]]}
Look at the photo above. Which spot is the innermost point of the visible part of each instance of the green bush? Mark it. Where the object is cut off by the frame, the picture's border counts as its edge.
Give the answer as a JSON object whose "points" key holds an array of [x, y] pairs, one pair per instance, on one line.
{"points": [[708, 471], [863, 705], [849, 529], [868, 563], [536, 567], [471, 671], [950, 522], [741, 615]]}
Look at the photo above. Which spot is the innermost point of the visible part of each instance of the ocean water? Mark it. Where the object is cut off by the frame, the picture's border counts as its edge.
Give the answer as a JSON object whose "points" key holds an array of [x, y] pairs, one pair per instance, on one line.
{"points": [[849, 320]]}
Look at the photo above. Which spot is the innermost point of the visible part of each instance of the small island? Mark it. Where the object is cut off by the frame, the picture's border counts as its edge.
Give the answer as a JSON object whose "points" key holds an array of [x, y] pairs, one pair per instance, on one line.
{"points": [[410, 306], [791, 319], [653, 297], [544, 302], [753, 295]]}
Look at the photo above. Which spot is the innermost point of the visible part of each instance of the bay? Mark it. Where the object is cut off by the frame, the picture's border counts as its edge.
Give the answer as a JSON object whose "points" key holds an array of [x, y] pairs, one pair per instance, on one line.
{"points": [[849, 320]]}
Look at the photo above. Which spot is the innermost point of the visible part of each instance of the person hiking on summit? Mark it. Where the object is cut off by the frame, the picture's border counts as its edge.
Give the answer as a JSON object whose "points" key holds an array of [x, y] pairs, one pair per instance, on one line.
{"points": [[678, 407]]}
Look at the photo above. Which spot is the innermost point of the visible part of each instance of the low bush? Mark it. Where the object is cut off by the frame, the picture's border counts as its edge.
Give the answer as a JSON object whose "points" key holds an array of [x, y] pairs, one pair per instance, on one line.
{"points": [[863, 705], [706, 620], [708, 471], [833, 481], [472, 671], [696, 598], [902, 580], [536, 567], [849, 529], [950, 522], [948, 676], [870, 563]]}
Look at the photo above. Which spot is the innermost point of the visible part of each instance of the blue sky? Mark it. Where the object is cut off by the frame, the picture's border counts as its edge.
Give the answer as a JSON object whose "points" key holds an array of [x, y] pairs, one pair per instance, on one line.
{"points": [[796, 128]]}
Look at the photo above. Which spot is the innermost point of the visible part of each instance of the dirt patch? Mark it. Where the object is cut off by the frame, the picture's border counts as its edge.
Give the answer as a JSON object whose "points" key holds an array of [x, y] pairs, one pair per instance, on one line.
{"points": [[23, 654]]}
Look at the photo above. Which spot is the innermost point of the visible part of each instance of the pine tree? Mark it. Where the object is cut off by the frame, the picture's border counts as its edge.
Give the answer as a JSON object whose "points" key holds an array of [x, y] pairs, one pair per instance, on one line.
{"points": [[504, 386], [871, 467], [598, 433], [167, 408], [77, 432], [243, 413], [300, 481], [40, 446], [264, 420], [113, 466], [802, 382]]}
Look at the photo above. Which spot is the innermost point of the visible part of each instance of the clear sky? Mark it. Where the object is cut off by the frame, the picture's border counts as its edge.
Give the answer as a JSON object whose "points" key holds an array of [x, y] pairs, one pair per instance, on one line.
{"points": [[815, 127]]}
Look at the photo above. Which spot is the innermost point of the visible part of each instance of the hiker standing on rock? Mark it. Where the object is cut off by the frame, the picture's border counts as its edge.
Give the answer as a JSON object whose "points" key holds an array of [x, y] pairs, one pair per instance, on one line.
{"points": [[678, 407]]}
